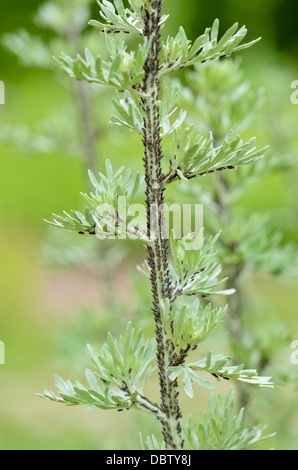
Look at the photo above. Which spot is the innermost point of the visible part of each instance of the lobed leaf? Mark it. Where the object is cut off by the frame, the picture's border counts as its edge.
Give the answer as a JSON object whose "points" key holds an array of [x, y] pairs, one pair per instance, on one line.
{"points": [[178, 52], [195, 271], [188, 326], [102, 217], [222, 429], [194, 155], [121, 370], [124, 70], [217, 365]]}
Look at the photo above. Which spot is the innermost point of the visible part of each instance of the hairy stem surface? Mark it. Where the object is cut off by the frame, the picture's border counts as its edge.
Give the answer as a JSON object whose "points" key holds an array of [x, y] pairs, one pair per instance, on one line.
{"points": [[158, 250]]}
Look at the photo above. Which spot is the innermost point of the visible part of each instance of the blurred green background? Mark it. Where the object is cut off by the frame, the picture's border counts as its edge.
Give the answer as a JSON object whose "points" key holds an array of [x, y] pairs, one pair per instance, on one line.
{"points": [[39, 304]]}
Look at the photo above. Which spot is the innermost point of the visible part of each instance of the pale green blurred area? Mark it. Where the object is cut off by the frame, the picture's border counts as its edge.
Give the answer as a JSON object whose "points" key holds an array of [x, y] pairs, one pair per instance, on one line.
{"points": [[38, 305]]}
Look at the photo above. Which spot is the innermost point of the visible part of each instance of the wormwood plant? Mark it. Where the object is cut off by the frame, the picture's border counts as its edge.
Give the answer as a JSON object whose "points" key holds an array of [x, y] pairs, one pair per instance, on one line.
{"points": [[175, 273]]}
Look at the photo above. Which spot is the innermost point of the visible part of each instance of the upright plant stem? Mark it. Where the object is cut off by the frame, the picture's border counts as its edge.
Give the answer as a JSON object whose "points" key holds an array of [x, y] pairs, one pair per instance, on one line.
{"points": [[158, 250], [88, 132], [236, 301], [85, 113]]}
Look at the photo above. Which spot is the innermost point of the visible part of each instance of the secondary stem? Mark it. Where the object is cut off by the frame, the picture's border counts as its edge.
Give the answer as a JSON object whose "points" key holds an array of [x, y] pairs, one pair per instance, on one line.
{"points": [[234, 273], [85, 112], [88, 131], [158, 250]]}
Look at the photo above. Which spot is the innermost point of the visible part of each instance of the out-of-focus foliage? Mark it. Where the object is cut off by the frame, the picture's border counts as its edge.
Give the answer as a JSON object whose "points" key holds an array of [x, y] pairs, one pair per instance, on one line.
{"points": [[69, 129], [221, 429], [249, 242]]}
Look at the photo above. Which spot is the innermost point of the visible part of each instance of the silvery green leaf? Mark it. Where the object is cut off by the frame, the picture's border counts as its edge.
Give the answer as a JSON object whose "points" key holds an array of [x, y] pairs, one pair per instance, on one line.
{"points": [[124, 70], [222, 429], [217, 365], [179, 52], [195, 271], [117, 18], [195, 155]]}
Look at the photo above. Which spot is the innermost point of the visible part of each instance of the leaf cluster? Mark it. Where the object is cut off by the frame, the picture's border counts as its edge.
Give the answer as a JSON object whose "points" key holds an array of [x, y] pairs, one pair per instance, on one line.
{"points": [[101, 217], [126, 363], [217, 366], [119, 19], [129, 113], [189, 325], [222, 429], [95, 396], [152, 443], [179, 52], [194, 155], [124, 70], [195, 271]]}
